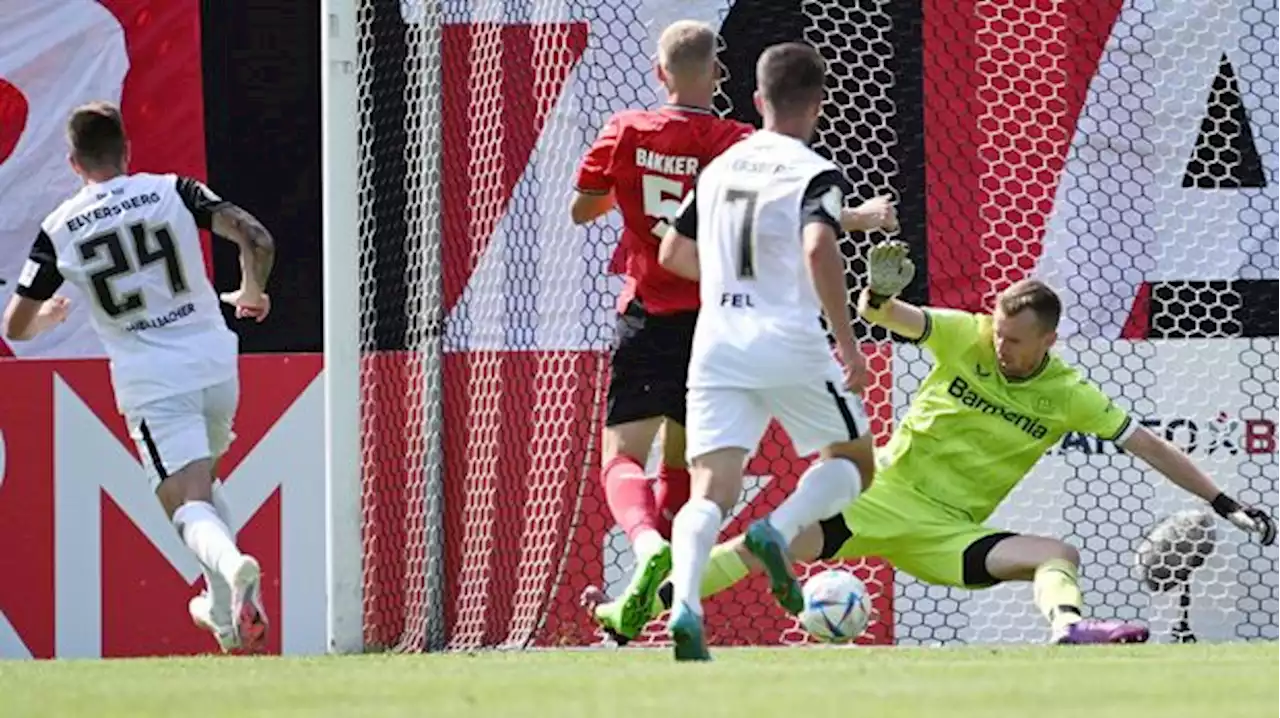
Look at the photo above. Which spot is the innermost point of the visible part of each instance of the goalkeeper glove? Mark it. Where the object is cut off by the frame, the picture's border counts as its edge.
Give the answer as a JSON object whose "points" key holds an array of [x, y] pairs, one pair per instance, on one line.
{"points": [[889, 271], [1247, 518]]}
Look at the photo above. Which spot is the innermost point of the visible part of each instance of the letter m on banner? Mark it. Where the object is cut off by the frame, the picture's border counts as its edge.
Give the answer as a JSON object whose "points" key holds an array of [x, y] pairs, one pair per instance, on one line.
{"points": [[121, 576]]}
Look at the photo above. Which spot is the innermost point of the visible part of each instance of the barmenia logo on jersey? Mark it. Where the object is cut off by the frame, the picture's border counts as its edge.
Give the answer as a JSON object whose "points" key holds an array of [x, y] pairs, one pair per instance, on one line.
{"points": [[959, 388]]}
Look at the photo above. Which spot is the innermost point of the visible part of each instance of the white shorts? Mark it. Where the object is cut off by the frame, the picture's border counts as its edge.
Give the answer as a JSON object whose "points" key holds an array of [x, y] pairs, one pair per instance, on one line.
{"points": [[174, 432], [814, 415]]}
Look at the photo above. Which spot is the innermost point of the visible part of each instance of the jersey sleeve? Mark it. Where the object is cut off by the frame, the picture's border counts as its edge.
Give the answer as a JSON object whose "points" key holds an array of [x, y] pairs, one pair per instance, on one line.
{"points": [[200, 201], [595, 172], [948, 332], [687, 216], [824, 199], [40, 277], [1093, 412]]}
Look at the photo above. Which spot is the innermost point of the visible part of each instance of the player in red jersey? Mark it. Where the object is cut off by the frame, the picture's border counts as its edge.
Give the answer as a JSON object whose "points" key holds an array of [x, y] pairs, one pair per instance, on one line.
{"points": [[644, 162]]}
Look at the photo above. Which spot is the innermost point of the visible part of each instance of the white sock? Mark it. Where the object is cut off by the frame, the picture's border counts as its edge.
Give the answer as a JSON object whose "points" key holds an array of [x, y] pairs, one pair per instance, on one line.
{"points": [[219, 597], [221, 506], [208, 537], [219, 589], [824, 491], [693, 535], [647, 544]]}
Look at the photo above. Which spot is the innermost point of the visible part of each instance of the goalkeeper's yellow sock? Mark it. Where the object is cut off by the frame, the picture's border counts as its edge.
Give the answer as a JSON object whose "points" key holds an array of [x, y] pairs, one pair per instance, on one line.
{"points": [[1057, 592], [724, 569]]}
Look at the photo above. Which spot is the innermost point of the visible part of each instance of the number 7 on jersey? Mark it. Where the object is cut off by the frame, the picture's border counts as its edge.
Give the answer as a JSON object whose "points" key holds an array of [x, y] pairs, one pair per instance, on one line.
{"points": [[744, 201]]}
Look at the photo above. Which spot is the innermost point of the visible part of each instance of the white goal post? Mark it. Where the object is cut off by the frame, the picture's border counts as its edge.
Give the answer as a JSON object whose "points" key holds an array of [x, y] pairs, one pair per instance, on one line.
{"points": [[341, 286], [382, 322]]}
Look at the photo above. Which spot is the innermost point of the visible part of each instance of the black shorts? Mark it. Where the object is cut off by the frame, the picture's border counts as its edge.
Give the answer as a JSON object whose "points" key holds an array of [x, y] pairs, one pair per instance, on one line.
{"points": [[649, 366]]}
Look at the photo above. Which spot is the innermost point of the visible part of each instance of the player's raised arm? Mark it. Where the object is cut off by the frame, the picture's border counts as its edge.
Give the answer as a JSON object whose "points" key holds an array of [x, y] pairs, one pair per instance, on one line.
{"points": [[889, 271], [875, 213], [678, 252]]}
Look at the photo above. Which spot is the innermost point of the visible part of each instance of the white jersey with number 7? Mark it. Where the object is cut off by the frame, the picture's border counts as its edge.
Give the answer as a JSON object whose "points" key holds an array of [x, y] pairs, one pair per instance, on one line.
{"points": [[760, 322]]}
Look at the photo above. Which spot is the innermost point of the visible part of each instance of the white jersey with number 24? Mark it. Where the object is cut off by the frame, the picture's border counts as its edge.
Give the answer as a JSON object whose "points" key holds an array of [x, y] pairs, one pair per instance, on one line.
{"points": [[132, 244]]}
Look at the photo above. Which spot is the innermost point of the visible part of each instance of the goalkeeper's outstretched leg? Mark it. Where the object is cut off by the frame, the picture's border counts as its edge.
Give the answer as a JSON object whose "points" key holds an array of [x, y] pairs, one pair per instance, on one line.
{"points": [[1049, 564], [1053, 567]]}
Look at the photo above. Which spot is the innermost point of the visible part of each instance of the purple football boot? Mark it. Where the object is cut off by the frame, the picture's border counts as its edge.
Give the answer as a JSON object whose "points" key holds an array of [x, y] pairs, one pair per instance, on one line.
{"points": [[1099, 630]]}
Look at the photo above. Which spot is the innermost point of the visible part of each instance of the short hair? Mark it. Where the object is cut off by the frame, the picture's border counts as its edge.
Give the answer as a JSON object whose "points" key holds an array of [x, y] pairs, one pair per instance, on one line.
{"points": [[96, 134], [687, 47], [791, 76], [1035, 296]]}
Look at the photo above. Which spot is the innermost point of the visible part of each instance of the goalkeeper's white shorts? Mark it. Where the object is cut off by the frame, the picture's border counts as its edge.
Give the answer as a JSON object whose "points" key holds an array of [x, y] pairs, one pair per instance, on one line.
{"points": [[173, 432], [815, 414]]}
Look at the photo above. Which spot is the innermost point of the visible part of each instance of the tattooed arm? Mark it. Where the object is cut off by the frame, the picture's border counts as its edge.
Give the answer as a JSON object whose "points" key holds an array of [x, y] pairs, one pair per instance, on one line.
{"points": [[257, 248]]}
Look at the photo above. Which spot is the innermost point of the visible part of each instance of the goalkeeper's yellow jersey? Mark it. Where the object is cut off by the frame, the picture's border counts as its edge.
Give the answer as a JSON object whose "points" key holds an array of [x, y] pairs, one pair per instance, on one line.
{"points": [[971, 434]]}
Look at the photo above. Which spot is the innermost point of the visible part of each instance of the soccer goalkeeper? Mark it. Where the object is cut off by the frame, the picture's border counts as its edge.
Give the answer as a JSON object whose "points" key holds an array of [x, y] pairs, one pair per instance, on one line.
{"points": [[996, 400]]}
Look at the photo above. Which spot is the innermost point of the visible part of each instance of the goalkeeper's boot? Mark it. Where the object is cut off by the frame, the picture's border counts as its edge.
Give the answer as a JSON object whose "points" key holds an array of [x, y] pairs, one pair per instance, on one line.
{"points": [[247, 612], [767, 544], [1098, 630], [201, 610], [626, 617], [685, 629]]}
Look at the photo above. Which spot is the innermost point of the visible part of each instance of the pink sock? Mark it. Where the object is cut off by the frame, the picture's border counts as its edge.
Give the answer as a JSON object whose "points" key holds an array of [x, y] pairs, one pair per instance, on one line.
{"points": [[630, 497]]}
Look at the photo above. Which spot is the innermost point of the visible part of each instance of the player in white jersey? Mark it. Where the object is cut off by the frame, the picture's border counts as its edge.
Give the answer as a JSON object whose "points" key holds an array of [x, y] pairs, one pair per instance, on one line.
{"points": [[132, 244], [759, 231]]}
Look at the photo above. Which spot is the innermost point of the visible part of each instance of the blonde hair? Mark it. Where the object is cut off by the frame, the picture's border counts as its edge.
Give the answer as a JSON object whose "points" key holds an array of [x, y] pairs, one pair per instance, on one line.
{"points": [[687, 47]]}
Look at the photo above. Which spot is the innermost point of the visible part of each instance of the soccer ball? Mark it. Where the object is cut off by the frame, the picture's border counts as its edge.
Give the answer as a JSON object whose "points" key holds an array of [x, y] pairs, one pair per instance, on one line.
{"points": [[1173, 549], [837, 607]]}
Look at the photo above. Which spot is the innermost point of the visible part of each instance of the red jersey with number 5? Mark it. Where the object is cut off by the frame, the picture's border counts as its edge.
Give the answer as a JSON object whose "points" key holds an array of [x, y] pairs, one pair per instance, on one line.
{"points": [[649, 160]]}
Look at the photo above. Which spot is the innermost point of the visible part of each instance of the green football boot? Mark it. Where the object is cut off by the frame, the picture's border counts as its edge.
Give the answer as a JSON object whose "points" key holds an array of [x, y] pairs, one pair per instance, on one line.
{"points": [[767, 544], [623, 619]]}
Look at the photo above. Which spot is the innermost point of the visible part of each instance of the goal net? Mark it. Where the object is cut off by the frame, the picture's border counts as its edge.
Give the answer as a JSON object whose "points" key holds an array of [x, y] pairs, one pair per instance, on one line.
{"points": [[1124, 151]]}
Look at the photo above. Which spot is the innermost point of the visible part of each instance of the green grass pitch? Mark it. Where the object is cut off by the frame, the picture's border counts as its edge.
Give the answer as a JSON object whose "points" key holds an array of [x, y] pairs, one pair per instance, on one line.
{"points": [[1164, 681]]}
